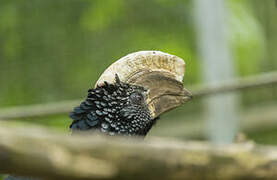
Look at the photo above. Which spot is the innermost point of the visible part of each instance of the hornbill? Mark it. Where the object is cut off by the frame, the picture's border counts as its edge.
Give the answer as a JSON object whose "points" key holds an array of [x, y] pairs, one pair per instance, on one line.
{"points": [[131, 94]]}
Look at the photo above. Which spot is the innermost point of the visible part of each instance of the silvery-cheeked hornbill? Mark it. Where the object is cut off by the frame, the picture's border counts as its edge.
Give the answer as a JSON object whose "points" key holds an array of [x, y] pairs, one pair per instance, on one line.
{"points": [[131, 94]]}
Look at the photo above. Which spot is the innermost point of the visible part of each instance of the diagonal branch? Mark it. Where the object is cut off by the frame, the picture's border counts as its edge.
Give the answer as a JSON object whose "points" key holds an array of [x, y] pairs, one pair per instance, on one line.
{"points": [[263, 80]]}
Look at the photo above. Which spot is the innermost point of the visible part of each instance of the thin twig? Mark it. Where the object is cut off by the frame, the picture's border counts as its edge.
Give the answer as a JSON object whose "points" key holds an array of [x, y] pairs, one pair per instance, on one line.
{"points": [[251, 82], [257, 81]]}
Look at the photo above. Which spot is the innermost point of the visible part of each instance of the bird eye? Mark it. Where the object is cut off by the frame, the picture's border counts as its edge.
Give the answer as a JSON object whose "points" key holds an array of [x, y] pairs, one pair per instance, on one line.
{"points": [[136, 98]]}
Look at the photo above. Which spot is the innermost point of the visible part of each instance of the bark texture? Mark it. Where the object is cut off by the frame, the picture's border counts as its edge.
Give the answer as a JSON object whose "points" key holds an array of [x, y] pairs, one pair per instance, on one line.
{"points": [[50, 155]]}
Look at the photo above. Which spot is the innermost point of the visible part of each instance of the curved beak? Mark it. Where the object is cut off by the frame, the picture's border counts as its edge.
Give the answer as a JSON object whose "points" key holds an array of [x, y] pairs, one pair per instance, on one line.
{"points": [[187, 95], [167, 101], [164, 92]]}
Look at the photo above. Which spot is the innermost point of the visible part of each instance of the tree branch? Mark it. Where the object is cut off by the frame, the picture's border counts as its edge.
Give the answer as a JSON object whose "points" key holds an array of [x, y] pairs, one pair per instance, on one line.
{"points": [[263, 80], [256, 81], [40, 153]]}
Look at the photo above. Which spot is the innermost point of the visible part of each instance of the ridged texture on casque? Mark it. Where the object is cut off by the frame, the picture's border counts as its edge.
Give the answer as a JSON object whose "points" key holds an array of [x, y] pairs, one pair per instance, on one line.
{"points": [[137, 62], [114, 109]]}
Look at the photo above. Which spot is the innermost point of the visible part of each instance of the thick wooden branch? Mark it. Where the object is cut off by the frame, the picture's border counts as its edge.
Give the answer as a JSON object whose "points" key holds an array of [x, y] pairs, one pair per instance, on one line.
{"points": [[263, 80], [39, 153]]}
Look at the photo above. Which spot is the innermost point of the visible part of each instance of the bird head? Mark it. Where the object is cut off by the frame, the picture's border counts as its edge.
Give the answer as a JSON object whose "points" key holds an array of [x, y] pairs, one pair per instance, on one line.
{"points": [[132, 93]]}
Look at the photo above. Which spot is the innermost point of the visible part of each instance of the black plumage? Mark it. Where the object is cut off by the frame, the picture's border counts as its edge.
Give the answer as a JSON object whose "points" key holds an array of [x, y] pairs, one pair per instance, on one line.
{"points": [[118, 108]]}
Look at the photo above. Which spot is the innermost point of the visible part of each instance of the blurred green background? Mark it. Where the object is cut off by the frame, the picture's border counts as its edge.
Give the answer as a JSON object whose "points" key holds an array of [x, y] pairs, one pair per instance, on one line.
{"points": [[52, 51]]}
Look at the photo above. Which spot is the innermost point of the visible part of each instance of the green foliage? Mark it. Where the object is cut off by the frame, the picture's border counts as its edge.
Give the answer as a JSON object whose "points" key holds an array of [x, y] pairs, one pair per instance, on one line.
{"points": [[52, 50], [102, 14], [267, 137], [55, 50], [246, 37]]}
